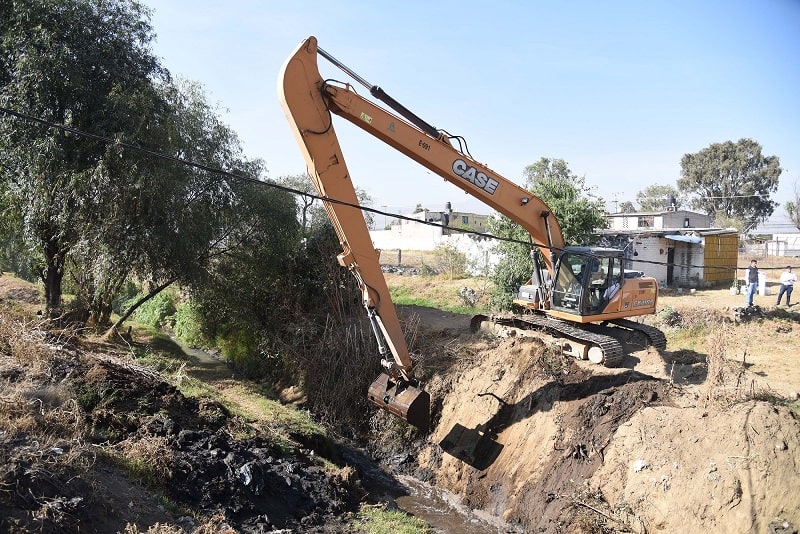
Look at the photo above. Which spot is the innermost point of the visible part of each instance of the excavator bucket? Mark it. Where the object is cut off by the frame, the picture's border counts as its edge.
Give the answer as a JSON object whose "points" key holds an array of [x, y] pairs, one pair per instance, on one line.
{"points": [[402, 399]]}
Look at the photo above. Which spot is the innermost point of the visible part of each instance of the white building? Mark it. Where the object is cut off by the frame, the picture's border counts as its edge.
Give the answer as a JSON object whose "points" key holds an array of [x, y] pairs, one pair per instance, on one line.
{"points": [[676, 247], [780, 236], [415, 234], [658, 220]]}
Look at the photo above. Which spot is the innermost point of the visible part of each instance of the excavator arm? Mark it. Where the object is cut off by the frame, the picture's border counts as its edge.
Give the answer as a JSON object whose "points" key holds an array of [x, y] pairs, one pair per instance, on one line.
{"points": [[300, 88], [309, 101]]}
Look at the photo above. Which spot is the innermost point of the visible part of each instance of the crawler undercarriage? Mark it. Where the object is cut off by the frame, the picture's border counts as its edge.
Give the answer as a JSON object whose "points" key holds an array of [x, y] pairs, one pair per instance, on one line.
{"points": [[599, 343]]}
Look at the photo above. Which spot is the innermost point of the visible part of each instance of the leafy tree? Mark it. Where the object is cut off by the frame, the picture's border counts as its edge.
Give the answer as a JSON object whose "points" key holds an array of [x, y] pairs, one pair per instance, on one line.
{"points": [[514, 265], [733, 180], [311, 212], [720, 221], [181, 219], [575, 207], [793, 206], [658, 198], [247, 285], [627, 207], [79, 63]]}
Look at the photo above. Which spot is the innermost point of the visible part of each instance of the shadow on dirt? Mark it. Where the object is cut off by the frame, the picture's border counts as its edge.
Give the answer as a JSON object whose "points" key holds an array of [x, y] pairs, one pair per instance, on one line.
{"points": [[479, 447], [685, 366]]}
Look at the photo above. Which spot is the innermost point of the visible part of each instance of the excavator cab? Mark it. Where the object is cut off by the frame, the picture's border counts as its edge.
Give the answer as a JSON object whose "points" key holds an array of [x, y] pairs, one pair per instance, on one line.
{"points": [[586, 280]]}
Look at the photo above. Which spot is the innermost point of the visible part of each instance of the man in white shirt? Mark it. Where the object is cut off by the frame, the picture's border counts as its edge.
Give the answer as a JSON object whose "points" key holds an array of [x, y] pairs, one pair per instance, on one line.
{"points": [[788, 278]]}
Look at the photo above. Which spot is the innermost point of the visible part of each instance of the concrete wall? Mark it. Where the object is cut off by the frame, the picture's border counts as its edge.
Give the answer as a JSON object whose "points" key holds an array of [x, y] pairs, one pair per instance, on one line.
{"points": [[688, 261], [678, 219], [478, 250], [407, 236]]}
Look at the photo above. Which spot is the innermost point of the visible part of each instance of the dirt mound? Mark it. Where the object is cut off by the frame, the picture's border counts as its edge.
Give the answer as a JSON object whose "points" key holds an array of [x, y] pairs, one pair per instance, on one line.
{"points": [[89, 441], [17, 290], [734, 470], [554, 445]]}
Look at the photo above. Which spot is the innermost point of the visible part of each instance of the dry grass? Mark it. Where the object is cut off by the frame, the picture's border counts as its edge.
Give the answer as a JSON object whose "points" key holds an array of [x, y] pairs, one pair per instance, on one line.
{"points": [[149, 458], [339, 370], [213, 525], [438, 292], [728, 380], [39, 404]]}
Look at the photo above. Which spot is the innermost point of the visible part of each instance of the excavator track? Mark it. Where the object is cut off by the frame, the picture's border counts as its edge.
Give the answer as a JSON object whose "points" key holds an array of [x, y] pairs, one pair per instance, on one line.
{"points": [[655, 336], [613, 353]]}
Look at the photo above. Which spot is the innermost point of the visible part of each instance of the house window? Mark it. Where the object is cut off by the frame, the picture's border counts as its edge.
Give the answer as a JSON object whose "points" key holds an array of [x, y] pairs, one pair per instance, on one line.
{"points": [[686, 222], [646, 221], [465, 219]]}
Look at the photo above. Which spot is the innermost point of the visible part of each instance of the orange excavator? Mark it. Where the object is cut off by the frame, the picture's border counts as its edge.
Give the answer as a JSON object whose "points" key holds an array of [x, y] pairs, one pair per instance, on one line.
{"points": [[575, 294]]}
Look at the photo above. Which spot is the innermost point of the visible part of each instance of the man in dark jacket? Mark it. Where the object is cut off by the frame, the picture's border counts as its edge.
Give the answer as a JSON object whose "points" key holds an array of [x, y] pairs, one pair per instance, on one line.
{"points": [[752, 281]]}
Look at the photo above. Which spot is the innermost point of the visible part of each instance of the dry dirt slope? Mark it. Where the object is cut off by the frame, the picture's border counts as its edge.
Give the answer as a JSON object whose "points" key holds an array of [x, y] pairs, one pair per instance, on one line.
{"points": [[553, 445]]}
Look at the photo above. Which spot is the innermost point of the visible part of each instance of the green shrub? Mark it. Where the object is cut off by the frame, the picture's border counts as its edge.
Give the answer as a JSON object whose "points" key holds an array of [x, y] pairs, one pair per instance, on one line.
{"points": [[450, 261], [188, 325], [157, 312]]}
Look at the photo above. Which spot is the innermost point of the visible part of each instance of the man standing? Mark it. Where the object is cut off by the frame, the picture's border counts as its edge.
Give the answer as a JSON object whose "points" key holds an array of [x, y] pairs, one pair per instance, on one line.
{"points": [[788, 278], [752, 281]]}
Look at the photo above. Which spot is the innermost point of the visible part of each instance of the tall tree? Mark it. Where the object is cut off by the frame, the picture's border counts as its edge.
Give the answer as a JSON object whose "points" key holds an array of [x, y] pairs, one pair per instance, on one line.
{"points": [[627, 207], [248, 283], [78, 63], [659, 198], [578, 211], [187, 216], [311, 212], [793, 206], [732, 180]]}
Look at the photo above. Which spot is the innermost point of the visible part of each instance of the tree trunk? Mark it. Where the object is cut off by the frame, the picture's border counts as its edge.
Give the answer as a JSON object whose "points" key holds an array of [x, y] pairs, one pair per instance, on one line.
{"points": [[53, 275], [115, 327]]}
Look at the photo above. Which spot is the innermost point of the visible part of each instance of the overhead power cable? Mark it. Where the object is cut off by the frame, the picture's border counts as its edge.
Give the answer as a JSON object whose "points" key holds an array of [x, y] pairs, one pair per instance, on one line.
{"points": [[275, 185]]}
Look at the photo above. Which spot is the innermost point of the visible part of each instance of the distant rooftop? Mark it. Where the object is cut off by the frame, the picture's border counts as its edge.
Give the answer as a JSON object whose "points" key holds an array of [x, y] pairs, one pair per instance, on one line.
{"points": [[778, 223]]}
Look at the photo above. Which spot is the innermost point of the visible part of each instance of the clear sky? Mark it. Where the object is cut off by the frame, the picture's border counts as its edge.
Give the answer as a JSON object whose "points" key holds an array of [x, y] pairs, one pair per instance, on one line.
{"points": [[620, 90]]}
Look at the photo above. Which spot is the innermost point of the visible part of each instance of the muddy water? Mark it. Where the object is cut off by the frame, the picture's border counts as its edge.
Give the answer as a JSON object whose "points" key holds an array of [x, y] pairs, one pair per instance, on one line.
{"points": [[202, 357], [443, 511], [439, 508]]}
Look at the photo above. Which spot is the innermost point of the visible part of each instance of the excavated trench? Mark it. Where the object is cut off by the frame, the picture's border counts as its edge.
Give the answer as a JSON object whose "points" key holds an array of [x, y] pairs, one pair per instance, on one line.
{"points": [[523, 440], [439, 508]]}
